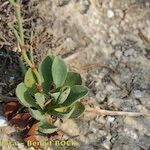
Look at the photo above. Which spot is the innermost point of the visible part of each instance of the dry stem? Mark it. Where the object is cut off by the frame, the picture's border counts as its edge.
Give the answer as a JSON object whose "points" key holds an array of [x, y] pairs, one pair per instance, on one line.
{"points": [[115, 113]]}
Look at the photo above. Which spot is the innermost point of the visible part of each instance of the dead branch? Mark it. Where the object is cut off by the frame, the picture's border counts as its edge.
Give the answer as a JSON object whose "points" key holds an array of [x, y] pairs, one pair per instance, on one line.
{"points": [[7, 98], [89, 67], [115, 113]]}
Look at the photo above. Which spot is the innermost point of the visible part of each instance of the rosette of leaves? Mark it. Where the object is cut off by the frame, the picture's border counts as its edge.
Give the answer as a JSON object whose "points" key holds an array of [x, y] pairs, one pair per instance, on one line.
{"points": [[60, 97]]}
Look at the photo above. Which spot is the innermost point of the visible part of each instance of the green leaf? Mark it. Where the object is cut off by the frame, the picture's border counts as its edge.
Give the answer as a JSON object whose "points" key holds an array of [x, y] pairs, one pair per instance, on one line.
{"points": [[73, 78], [54, 96], [37, 114], [64, 94], [78, 110], [46, 128], [64, 112], [45, 70], [24, 96], [40, 99], [77, 92], [30, 81], [59, 72]]}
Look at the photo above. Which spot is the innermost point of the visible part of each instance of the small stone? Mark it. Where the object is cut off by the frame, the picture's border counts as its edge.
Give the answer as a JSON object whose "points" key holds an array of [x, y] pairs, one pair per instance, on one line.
{"points": [[11, 79], [3, 121], [137, 93], [73, 129], [100, 120], [107, 144], [110, 14], [84, 6], [61, 3], [129, 52], [94, 127], [118, 54], [110, 119]]}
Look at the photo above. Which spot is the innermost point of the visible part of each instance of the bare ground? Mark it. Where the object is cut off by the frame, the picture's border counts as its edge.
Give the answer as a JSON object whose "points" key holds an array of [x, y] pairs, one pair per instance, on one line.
{"points": [[114, 33]]}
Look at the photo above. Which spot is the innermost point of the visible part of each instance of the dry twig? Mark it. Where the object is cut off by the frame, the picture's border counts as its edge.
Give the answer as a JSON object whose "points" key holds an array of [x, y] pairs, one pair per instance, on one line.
{"points": [[7, 98], [115, 113]]}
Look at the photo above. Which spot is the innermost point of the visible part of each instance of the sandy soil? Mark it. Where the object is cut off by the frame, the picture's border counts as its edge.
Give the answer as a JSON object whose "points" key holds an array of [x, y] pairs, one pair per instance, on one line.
{"points": [[111, 32]]}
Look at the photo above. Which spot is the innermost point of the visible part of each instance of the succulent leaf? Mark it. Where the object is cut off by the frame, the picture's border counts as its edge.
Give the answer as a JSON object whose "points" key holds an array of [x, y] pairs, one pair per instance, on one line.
{"points": [[64, 112], [64, 94], [24, 96], [40, 99], [73, 78], [46, 128], [45, 70], [37, 114], [59, 72], [55, 96], [77, 92], [78, 110], [30, 81]]}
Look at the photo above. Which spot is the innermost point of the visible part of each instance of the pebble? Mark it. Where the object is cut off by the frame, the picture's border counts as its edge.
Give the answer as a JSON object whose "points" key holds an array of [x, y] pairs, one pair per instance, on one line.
{"points": [[94, 127], [110, 14], [3, 121], [110, 119], [84, 6], [107, 144], [118, 54], [73, 130], [129, 52], [62, 2], [137, 93]]}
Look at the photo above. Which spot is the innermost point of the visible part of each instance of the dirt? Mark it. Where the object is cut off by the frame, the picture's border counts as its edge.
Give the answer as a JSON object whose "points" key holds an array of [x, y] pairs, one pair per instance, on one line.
{"points": [[110, 32]]}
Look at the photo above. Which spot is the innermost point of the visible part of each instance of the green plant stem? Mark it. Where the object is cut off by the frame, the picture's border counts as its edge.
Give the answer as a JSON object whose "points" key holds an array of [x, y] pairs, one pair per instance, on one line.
{"points": [[20, 24], [31, 48], [21, 39], [37, 76], [22, 66]]}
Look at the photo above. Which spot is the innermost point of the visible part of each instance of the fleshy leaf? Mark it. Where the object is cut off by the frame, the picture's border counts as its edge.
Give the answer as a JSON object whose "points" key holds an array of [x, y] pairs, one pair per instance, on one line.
{"points": [[64, 112], [45, 70], [77, 92], [55, 96], [46, 128], [78, 110], [30, 81], [40, 99], [37, 114], [24, 96], [59, 72], [73, 78], [64, 94]]}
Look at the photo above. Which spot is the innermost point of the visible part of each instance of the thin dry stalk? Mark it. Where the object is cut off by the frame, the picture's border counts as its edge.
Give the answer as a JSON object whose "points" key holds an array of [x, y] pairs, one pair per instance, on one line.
{"points": [[7, 98], [115, 113], [88, 67]]}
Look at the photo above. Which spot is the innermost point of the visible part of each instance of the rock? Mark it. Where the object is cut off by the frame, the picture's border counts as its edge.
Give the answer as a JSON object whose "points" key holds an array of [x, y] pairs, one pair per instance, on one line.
{"points": [[62, 2], [137, 93], [129, 52], [70, 127], [110, 119], [84, 6], [107, 144], [3, 121], [110, 14], [94, 127], [118, 54]]}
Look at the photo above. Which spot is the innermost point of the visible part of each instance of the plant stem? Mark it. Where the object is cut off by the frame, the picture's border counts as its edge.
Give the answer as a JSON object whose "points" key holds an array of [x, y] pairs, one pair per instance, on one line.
{"points": [[21, 41], [115, 113], [20, 24]]}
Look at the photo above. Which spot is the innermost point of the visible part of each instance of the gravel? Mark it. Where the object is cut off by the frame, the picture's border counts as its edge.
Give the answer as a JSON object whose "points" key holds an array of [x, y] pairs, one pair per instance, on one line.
{"points": [[114, 33]]}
